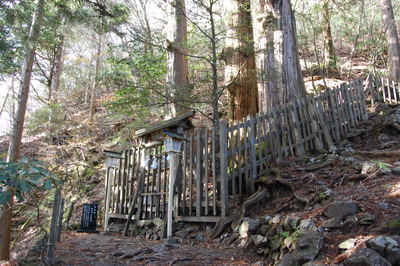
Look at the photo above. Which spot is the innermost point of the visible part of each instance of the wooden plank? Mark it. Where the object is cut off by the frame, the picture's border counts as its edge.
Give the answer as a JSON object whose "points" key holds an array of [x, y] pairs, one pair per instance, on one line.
{"points": [[231, 159], [277, 136], [351, 104], [389, 93], [253, 155], [239, 162], [184, 177], [191, 174], [260, 143], [214, 170], [107, 198], [205, 145], [394, 92], [201, 219], [119, 194], [158, 185], [300, 143], [384, 90], [224, 169], [124, 181], [314, 125], [164, 188], [363, 102], [333, 118], [246, 155], [198, 172]]}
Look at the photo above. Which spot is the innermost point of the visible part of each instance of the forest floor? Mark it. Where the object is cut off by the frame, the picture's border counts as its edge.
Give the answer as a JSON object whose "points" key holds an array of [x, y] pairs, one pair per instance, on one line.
{"points": [[99, 249]]}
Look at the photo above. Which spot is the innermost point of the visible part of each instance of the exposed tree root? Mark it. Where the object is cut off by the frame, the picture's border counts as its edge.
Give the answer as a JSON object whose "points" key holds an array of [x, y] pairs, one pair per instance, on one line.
{"points": [[379, 153]]}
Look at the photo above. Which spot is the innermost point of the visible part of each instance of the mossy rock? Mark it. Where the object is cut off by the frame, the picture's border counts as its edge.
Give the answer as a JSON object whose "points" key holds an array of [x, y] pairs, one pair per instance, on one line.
{"points": [[392, 227]]}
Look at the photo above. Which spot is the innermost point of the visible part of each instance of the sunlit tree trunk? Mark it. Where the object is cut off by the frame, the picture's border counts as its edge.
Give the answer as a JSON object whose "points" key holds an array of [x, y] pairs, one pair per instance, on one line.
{"points": [[18, 125], [392, 39], [329, 49], [278, 65], [178, 87], [92, 109], [58, 65], [240, 68]]}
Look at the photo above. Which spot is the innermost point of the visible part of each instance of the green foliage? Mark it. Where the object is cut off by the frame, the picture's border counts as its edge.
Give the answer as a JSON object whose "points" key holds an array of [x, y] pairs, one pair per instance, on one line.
{"points": [[383, 165], [136, 79], [22, 177], [48, 118]]}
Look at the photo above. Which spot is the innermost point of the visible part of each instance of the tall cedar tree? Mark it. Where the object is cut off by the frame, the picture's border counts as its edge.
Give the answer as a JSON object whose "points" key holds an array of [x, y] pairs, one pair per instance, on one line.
{"points": [[280, 79]]}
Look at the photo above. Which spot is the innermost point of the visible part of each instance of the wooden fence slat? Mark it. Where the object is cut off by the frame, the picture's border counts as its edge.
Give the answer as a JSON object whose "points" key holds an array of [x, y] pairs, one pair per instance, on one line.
{"points": [[214, 170], [224, 169], [246, 155], [231, 160], [314, 126], [260, 144], [198, 172], [184, 177], [239, 162], [205, 189], [253, 154], [191, 175]]}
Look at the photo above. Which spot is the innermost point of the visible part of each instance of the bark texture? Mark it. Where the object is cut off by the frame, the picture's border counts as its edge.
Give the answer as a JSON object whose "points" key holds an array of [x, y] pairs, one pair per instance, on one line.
{"points": [[18, 125], [178, 90], [392, 39], [329, 49], [278, 65], [240, 68], [92, 109]]}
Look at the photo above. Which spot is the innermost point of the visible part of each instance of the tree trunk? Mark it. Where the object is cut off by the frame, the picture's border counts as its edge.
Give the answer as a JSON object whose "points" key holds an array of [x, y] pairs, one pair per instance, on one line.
{"points": [[96, 82], [329, 49], [58, 65], [392, 39], [280, 79], [240, 68], [178, 91], [18, 125]]}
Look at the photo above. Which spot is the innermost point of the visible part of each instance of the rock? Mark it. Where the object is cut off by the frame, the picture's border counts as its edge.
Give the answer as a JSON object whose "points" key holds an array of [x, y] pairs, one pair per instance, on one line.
{"points": [[369, 168], [290, 223], [307, 225], [383, 205], [264, 229], [307, 248], [386, 247], [333, 223], [159, 223], [396, 170], [348, 244], [309, 244], [276, 244], [349, 223], [258, 263], [367, 218], [248, 226], [185, 232], [383, 137], [200, 237], [340, 210], [366, 257], [275, 220], [259, 240]]}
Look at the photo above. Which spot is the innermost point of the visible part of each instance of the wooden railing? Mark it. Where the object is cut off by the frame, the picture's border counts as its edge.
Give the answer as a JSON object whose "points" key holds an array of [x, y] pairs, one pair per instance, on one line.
{"points": [[219, 167]]}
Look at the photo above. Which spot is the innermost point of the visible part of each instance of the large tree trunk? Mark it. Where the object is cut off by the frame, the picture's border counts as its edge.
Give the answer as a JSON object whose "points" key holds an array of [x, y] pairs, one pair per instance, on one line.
{"points": [[329, 49], [18, 126], [392, 39], [178, 90], [240, 68], [92, 109], [280, 79]]}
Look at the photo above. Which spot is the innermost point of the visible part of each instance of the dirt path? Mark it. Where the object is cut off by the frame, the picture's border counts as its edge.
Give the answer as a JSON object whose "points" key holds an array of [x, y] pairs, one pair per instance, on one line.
{"points": [[99, 250]]}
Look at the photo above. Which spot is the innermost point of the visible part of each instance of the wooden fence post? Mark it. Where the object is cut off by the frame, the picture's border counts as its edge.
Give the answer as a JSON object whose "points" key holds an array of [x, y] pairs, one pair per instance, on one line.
{"points": [[107, 199], [223, 152], [60, 219], [253, 156], [53, 228]]}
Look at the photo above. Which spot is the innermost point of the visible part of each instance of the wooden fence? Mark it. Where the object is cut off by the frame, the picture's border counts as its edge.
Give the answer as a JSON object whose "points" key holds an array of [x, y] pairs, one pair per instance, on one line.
{"points": [[218, 167], [382, 89]]}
